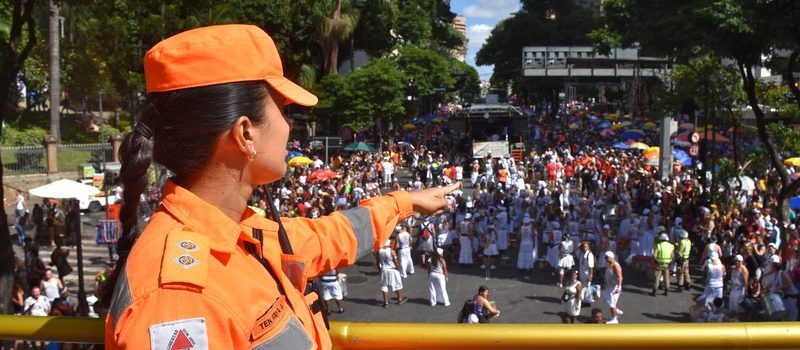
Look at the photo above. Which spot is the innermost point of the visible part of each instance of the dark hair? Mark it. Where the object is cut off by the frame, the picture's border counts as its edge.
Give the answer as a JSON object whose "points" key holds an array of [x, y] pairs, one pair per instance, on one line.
{"points": [[185, 126], [482, 289]]}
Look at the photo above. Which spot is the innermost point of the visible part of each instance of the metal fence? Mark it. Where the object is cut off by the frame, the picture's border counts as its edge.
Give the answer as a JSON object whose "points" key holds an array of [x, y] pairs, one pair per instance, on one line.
{"points": [[70, 156], [33, 159], [24, 160]]}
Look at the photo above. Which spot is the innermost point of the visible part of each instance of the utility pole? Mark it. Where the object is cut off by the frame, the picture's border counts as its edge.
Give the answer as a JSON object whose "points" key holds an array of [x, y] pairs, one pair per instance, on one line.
{"points": [[55, 71]]}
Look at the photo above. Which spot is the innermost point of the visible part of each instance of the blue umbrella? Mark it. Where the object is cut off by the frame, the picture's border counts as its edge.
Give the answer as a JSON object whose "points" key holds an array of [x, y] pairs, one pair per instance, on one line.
{"points": [[794, 202], [604, 125], [293, 154], [621, 145], [631, 135], [679, 154], [685, 161], [429, 117]]}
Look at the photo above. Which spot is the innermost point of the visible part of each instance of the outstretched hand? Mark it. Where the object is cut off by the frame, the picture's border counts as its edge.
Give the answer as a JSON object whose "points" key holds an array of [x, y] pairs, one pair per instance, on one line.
{"points": [[432, 200]]}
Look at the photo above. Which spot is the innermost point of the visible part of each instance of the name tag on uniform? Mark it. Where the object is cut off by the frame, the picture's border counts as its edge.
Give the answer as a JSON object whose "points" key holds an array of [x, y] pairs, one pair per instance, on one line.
{"points": [[271, 318]]}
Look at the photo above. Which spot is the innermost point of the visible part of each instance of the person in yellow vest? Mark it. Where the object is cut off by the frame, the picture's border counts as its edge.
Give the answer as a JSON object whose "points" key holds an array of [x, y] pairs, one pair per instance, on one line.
{"points": [[663, 255], [684, 248]]}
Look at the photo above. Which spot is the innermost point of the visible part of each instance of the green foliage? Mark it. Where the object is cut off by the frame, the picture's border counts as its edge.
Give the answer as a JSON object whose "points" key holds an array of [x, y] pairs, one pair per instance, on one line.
{"points": [[425, 70], [703, 82], [466, 79], [787, 140], [33, 136], [373, 33], [375, 90], [780, 98], [414, 25], [528, 27]]}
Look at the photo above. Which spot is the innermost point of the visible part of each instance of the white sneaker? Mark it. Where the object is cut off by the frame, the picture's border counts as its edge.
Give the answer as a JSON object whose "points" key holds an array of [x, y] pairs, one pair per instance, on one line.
{"points": [[493, 267], [619, 312], [613, 321], [483, 266]]}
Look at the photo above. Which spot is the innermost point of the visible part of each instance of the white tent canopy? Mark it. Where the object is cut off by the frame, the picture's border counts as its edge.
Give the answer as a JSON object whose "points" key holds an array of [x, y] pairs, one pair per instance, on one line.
{"points": [[64, 189]]}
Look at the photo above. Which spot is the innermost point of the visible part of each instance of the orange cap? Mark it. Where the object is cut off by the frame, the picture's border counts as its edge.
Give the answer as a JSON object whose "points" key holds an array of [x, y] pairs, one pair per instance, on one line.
{"points": [[217, 55]]}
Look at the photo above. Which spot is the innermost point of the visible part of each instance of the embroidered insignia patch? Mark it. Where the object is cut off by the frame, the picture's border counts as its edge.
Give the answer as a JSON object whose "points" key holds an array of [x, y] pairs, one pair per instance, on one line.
{"points": [[182, 334], [186, 261], [187, 246]]}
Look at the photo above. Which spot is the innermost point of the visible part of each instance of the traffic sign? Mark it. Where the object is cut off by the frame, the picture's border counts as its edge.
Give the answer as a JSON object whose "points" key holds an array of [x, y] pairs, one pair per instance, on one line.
{"points": [[694, 150], [695, 137]]}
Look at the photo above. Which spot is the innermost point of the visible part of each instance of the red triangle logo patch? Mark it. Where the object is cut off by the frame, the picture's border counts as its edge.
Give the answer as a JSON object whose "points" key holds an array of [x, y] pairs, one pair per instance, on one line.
{"points": [[182, 341]]}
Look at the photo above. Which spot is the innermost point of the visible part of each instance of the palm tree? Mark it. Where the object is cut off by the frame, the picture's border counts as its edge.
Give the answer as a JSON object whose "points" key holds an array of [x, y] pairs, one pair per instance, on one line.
{"points": [[335, 20]]}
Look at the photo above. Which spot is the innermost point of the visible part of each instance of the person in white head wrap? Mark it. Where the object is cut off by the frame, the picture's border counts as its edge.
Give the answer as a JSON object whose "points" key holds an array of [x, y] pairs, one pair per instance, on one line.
{"points": [[715, 275], [738, 285], [390, 277], [613, 283], [404, 242], [527, 247], [777, 281], [437, 279]]}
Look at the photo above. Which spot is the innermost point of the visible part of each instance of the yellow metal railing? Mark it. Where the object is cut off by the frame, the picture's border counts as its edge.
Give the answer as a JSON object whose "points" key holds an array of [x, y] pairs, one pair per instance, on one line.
{"points": [[356, 335]]}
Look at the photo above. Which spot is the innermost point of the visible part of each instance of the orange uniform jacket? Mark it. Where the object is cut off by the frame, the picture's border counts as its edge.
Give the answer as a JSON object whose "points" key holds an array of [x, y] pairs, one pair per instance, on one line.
{"points": [[189, 282]]}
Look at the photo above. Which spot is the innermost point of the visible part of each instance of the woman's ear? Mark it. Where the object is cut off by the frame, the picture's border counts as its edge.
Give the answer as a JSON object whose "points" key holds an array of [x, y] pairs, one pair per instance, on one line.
{"points": [[242, 135]]}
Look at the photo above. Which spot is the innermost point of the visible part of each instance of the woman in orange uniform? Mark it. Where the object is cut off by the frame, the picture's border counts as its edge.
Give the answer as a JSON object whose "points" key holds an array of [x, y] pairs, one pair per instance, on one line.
{"points": [[207, 272]]}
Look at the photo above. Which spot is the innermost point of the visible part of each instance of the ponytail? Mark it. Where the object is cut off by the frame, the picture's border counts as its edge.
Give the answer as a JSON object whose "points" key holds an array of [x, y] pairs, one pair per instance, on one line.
{"points": [[135, 155]]}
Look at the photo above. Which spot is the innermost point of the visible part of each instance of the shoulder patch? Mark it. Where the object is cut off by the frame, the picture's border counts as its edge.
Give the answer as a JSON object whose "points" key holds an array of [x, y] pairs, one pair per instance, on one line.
{"points": [[186, 258], [190, 333]]}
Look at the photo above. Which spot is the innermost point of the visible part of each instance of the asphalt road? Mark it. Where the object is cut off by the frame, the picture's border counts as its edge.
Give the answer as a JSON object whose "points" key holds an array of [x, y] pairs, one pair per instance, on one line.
{"points": [[534, 300]]}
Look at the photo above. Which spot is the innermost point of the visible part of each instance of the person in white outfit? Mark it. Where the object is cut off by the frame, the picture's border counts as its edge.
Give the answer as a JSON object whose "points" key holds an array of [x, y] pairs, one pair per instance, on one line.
{"points": [[613, 280], [388, 172], [437, 277], [565, 261], [501, 223], [586, 263], [490, 247], [738, 285], [571, 298], [36, 304], [51, 286], [390, 277], [527, 247], [777, 281], [331, 290], [715, 275], [404, 241]]}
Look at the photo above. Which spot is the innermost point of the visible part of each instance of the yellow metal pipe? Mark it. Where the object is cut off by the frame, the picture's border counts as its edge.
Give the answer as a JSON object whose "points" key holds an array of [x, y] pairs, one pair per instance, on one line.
{"points": [[773, 335], [65, 329], [441, 336]]}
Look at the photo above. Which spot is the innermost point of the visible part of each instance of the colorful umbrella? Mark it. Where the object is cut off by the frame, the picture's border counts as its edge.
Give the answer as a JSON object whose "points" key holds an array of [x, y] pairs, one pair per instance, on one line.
{"points": [[794, 202], [653, 149], [299, 161], [651, 125], [359, 146], [621, 145], [652, 155], [653, 161], [617, 126], [604, 124], [607, 133], [631, 135], [293, 154], [611, 117], [639, 146], [686, 126], [321, 174], [409, 126], [626, 123], [405, 144], [792, 161], [574, 126]]}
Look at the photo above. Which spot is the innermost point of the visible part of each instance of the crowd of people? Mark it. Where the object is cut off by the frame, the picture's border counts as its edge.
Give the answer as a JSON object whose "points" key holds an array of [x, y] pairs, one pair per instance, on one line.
{"points": [[575, 204]]}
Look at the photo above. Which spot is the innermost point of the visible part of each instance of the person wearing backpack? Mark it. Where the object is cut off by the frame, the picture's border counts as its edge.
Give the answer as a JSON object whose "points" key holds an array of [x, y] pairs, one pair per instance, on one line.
{"points": [[426, 238]]}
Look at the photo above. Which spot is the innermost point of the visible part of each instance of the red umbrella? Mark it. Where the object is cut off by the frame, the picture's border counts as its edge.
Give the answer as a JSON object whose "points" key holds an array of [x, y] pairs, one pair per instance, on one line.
{"points": [[321, 174]]}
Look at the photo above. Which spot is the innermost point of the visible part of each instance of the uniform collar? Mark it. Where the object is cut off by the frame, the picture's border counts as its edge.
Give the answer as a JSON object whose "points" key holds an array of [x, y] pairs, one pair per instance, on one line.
{"points": [[222, 232]]}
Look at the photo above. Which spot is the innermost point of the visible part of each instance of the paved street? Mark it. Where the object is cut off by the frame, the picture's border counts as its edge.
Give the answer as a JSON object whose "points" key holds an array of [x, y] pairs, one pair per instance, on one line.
{"points": [[519, 300]]}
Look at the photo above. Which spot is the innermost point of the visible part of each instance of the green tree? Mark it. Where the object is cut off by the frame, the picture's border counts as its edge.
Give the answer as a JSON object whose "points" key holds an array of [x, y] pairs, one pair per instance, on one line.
{"points": [[380, 86], [373, 34], [530, 27], [16, 44], [466, 80], [428, 75], [335, 21]]}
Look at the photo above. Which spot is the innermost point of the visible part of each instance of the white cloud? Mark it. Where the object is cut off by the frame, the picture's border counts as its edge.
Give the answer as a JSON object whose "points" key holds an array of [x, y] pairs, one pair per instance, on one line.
{"points": [[492, 9], [477, 35]]}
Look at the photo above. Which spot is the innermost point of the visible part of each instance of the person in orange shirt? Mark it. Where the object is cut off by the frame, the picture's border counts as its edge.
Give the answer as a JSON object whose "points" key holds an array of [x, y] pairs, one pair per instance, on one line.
{"points": [[207, 272]]}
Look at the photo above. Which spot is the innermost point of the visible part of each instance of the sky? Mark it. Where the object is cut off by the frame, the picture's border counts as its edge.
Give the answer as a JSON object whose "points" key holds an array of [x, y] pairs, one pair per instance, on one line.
{"points": [[482, 16]]}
